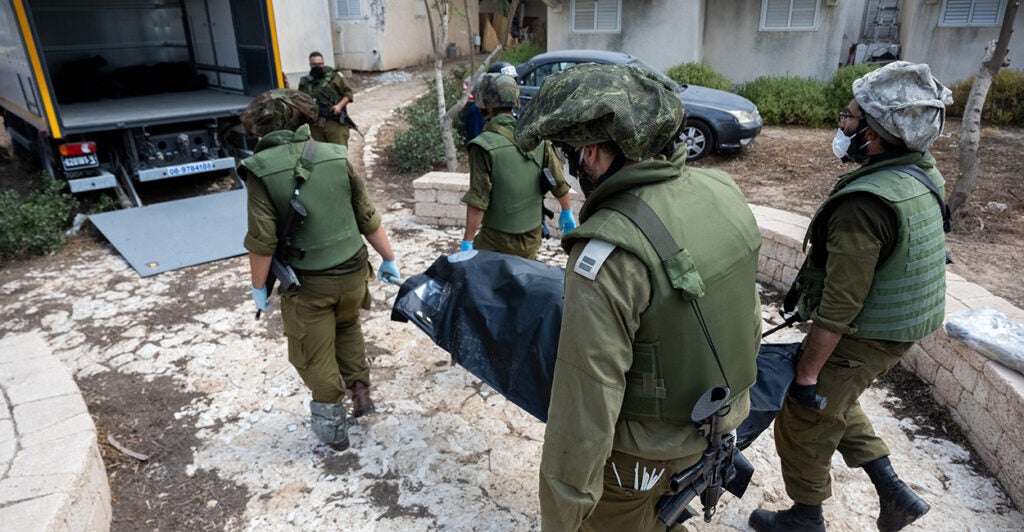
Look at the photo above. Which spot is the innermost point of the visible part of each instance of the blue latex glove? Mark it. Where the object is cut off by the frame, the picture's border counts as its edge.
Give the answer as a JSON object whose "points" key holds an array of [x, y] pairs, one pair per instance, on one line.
{"points": [[566, 222], [259, 296], [388, 272], [467, 245]]}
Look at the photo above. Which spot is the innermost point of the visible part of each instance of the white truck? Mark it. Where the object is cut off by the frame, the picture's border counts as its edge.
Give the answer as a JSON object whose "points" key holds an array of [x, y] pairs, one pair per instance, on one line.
{"points": [[112, 93]]}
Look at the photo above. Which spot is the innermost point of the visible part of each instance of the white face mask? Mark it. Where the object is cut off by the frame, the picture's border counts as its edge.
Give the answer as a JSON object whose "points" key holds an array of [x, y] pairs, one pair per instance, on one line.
{"points": [[841, 143]]}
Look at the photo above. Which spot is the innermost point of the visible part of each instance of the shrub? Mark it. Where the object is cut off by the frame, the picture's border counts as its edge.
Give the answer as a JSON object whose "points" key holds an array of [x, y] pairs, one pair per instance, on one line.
{"points": [[790, 101], [34, 224], [1004, 104], [842, 84], [420, 147], [698, 74], [520, 53]]}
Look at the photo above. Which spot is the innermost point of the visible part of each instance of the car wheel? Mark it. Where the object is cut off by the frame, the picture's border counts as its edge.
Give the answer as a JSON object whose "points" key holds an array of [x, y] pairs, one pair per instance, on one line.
{"points": [[698, 138]]}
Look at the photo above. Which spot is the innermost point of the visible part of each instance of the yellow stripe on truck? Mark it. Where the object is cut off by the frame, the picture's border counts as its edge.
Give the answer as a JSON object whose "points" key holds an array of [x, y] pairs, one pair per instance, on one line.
{"points": [[37, 69], [273, 40]]}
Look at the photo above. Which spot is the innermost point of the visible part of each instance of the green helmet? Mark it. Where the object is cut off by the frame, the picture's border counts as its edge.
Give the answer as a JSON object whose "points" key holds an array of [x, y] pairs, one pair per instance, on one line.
{"points": [[497, 91], [591, 104], [278, 109]]}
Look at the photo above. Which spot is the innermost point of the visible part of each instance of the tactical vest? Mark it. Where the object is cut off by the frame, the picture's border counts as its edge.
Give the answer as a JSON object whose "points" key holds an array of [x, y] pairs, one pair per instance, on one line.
{"points": [[322, 90], [907, 298], [515, 204], [329, 235], [672, 361]]}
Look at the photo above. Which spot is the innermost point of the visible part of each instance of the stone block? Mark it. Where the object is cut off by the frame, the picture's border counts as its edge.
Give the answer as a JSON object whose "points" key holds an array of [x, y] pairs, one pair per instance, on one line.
{"points": [[1004, 380], [1008, 411], [449, 197], [926, 367], [39, 459], [432, 210], [964, 290], [80, 424], [999, 304], [455, 211], [19, 348], [30, 487], [788, 275], [37, 415], [53, 381], [947, 389], [1011, 455], [425, 195], [8, 442], [944, 353], [965, 373], [985, 428], [443, 181], [33, 514]]}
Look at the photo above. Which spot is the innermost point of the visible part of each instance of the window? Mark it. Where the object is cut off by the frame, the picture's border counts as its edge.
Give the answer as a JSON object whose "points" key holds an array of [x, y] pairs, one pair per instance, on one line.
{"points": [[348, 9], [596, 16], [958, 13], [536, 77], [789, 14]]}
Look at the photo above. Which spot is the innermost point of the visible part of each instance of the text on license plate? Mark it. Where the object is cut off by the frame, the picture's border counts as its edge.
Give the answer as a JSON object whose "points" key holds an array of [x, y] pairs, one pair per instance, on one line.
{"points": [[189, 168], [88, 160]]}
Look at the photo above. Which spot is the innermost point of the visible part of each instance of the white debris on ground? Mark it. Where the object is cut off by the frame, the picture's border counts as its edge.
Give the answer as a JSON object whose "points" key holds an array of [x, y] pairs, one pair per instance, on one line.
{"points": [[442, 452]]}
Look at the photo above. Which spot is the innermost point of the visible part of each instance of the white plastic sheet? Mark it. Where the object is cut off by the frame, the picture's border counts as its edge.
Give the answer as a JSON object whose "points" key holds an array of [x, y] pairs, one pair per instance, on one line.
{"points": [[990, 333]]}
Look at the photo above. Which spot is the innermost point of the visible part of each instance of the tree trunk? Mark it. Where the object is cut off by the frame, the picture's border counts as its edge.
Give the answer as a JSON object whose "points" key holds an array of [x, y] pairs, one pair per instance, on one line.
{"points": [[438, 40], [469, 32], [970, 129]]}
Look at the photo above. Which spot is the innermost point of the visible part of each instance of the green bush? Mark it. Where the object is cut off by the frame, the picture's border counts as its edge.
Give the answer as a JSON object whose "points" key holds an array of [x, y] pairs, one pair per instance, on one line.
{"points": [[698, 74], [842, 85], [34, 224], [1004, 104], [520, 53], [420, 147], [790, 101]]}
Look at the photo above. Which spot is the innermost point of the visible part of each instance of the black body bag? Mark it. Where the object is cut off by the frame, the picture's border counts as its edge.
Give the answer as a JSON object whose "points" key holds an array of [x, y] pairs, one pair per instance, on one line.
{"points": [[497, 315]]}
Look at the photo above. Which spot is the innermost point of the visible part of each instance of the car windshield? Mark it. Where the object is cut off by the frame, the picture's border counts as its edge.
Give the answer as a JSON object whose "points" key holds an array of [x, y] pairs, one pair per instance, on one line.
{"points": [[657, 73]]}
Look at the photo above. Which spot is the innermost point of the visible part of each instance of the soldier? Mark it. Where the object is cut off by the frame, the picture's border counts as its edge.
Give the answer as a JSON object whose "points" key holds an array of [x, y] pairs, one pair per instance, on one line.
{"points": [[633, 357], [873, 284], [327, 86], [321, 320], [507, 184]]}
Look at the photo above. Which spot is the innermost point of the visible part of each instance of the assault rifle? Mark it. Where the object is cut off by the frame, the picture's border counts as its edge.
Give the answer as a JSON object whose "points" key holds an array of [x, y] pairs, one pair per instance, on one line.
{"points": [[721, 468], [324, 113], [547, 184], [280, 269]]}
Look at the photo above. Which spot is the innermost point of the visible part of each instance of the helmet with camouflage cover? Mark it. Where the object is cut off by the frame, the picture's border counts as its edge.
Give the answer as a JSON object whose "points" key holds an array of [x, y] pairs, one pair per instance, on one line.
{"points": [[278, 109], [497, 91], [591, 104], [903, 103]]}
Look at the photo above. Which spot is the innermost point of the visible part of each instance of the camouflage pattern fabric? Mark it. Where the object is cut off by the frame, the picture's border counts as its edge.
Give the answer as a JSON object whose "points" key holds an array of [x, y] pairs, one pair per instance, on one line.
{"points": [[497, 91], [906, 101], [278, 109], [591, 104]]}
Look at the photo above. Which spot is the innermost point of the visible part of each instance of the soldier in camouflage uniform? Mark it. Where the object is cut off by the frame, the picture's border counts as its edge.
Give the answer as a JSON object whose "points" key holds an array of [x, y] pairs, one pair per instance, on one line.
{"points": [[632, 359], [873, 284], [321, 320], [505, 183], [332, 94]]}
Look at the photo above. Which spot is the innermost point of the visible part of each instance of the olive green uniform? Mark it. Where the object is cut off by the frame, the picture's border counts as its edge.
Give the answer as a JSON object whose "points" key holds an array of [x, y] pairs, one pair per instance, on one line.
{"points": [[606, 430], [327, 92], [488, 152], [853, 236], [321, 320]]}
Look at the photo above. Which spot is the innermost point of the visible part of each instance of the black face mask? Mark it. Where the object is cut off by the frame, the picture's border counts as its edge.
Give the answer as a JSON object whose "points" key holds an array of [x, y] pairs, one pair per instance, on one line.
{"points": [[856, 151], [317, 72]]}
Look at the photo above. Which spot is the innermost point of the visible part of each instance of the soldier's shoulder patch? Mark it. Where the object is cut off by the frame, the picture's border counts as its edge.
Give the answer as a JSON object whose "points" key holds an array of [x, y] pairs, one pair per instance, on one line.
{"points": [[593, 257]]}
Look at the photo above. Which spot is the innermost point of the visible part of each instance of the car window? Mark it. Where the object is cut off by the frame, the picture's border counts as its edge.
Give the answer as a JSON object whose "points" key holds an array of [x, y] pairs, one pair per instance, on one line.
{"points": [[536, 77], [657, 73]]}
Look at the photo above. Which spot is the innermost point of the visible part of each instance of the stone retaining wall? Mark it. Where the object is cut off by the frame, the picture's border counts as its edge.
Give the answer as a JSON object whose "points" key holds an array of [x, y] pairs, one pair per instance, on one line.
{"points": [[51, 474], [985, 398]]}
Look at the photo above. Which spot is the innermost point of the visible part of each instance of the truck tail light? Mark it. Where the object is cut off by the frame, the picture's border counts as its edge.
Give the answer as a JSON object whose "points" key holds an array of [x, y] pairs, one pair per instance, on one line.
{"points": [[77, 148]]}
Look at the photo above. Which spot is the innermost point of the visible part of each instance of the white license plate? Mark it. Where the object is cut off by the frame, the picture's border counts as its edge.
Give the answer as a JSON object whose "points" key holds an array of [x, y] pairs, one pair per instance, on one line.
{"points": [[77, 162], [189, 168]]}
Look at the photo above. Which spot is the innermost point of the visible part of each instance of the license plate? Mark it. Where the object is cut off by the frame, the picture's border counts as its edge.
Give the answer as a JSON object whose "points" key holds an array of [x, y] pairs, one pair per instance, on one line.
{"points": [[189, 168], [77, 162]]}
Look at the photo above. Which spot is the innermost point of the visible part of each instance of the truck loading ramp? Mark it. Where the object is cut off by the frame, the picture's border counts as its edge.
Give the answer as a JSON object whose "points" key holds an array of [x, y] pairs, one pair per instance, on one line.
{"points": [[175, 234]]}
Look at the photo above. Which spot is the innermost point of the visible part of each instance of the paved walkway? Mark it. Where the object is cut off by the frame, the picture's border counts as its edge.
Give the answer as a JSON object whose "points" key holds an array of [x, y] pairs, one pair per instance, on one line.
{"points": [[51, 473]]}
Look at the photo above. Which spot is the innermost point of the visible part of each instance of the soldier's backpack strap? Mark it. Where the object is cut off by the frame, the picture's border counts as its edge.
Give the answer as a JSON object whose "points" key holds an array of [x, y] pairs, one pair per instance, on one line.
{"points": [[917, 173]]}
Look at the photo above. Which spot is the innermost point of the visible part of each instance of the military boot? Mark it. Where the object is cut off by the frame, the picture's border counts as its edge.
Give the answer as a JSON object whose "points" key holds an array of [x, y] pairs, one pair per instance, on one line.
{"points": [[361, 402], [799, 518], [900, 505], [329, 424]]}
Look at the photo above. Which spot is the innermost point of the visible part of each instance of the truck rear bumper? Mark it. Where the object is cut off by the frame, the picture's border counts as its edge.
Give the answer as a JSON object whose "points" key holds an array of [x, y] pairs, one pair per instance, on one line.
{"points": [[104, 180]]}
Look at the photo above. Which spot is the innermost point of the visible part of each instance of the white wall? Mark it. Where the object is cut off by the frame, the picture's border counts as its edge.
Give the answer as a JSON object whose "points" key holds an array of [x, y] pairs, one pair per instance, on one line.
{"points": [[302, 27], [953, 54], [735, 46], [660, 32], [395, 34]]}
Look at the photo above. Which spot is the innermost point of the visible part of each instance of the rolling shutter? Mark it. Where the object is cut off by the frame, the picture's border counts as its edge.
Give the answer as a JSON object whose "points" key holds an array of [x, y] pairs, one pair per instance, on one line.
{"points": [[971, 13], [596, 15]]}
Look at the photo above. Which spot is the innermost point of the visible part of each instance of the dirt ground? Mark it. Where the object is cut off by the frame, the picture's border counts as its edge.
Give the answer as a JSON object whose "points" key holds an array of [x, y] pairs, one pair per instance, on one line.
{"points": [[175, 367]]}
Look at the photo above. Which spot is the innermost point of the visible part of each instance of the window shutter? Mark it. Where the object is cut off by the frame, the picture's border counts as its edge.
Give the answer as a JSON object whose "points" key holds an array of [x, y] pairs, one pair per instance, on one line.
{"points": [[348, 8], [776, 15], [986, 12], [586, 15], [607, 15], [971, 12], [803, 13], [596, 15]]}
